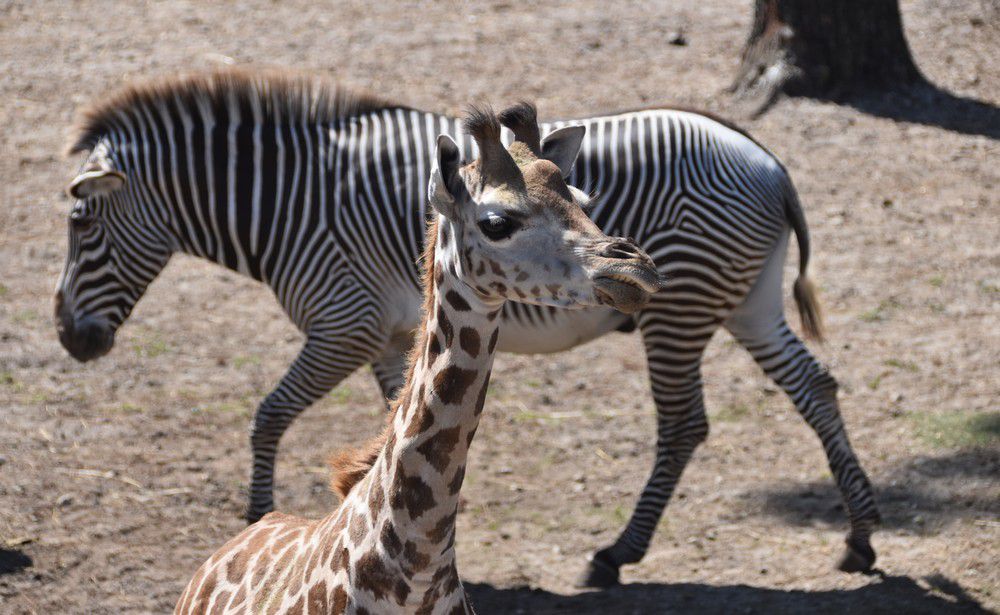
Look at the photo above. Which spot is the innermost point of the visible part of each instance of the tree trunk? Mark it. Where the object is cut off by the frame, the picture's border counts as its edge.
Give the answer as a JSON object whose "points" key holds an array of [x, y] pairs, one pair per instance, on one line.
{"points": [[824, 48]]}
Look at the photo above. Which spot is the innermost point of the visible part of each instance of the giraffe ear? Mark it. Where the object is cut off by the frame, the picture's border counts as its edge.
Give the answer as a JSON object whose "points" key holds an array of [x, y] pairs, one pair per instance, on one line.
{"points": [[446, 190], [563, 146]]}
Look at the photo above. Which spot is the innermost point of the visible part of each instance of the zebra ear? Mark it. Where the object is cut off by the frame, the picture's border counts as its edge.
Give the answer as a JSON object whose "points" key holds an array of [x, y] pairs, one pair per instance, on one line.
{"points": [[95, 182], [446, 189], [563, 146]]}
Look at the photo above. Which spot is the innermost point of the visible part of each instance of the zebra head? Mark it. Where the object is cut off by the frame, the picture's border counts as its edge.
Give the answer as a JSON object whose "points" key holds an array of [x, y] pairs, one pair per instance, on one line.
{"points": [[111, 258], [513, 228]]}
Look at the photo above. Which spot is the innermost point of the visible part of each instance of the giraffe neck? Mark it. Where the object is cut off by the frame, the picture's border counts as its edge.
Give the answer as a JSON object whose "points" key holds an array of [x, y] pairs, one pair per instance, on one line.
{"points": [[422, 465]]}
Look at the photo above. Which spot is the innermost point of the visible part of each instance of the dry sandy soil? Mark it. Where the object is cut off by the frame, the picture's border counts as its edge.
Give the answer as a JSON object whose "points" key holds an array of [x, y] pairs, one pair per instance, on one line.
{"points": [[117, 478]]}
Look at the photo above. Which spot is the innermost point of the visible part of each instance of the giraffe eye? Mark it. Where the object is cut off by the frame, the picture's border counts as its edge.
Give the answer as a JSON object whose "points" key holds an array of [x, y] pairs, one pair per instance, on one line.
{"points": [[497, 227]]}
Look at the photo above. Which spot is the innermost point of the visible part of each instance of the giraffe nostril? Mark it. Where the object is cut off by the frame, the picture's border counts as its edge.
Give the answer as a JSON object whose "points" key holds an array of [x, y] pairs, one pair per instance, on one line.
{"points": [[624, 249]]}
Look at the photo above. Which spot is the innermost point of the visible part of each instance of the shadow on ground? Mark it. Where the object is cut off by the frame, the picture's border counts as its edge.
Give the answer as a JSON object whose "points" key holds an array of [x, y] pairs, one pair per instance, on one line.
{"points": [[924, 493], [886, 594], [12, 561], [931, 106]]}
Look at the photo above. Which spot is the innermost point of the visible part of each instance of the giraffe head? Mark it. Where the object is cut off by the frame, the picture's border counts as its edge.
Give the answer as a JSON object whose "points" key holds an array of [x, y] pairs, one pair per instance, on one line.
{"points": [[511, 228]]}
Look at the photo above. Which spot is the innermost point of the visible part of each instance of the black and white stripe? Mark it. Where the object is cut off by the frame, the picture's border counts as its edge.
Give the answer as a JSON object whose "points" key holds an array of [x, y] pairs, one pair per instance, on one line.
{"points": [[330, 212]]}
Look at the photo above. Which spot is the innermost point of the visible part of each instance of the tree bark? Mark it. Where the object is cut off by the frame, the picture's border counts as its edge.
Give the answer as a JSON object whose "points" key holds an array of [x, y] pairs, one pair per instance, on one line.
{"points": [[824, 48]]}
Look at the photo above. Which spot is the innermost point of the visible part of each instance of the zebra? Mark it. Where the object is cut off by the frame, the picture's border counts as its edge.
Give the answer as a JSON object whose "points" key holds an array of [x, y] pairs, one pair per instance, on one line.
{"points": [[317, 191]]}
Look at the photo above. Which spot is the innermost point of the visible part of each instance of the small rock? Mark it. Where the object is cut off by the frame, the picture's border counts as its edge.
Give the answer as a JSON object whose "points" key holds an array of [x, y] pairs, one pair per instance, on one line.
{"points": [[64, 500], [3, 460], [677, 38]]}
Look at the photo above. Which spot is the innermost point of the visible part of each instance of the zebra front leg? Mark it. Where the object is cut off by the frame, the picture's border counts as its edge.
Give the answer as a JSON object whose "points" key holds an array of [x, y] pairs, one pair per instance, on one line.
{"points": [[785, 359], [320, 366], [390, 368], [681, 427]]}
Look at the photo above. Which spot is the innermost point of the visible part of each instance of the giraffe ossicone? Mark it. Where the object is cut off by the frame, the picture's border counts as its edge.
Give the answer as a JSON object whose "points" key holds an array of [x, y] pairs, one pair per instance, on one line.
{"points": [[508, 228]]}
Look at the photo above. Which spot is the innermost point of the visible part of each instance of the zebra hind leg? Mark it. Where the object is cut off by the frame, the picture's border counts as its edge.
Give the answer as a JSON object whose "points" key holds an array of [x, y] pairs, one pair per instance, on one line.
{"points": [[674, 369], [320, 366], [814, 392], [759, 324]]}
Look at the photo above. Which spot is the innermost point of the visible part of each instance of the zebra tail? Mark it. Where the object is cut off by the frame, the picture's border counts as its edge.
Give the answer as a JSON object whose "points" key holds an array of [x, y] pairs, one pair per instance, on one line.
{"points": [[803, 290]]}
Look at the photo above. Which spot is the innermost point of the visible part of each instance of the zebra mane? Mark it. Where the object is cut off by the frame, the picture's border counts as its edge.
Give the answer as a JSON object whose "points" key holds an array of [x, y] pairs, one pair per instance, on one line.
{"points": [[283, 95]]}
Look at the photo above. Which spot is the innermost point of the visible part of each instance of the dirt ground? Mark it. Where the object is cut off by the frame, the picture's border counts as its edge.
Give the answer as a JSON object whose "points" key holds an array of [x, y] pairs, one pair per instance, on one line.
{"points": [[117, 478]]}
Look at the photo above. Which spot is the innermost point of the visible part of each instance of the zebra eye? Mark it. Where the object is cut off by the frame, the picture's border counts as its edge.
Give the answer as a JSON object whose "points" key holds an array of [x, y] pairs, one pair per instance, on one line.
{"points": [[497, 227], [80, 220]]}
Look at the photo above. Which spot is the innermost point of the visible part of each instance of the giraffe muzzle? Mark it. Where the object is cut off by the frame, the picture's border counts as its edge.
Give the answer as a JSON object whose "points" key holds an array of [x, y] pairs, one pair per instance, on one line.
{"points": [[626, 277]]}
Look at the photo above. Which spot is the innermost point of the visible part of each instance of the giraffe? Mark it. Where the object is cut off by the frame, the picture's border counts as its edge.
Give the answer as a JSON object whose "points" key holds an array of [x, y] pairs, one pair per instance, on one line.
{"points": [[507, 226]]}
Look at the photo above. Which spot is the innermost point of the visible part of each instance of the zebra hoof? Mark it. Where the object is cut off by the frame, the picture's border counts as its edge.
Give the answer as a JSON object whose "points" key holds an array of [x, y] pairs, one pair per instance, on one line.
{"points": [[858, 557], [600, 573]]}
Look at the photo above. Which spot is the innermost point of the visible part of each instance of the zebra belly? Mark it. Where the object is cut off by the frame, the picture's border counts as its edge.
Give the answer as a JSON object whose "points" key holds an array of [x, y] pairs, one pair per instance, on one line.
{"points": [[560, 330]]}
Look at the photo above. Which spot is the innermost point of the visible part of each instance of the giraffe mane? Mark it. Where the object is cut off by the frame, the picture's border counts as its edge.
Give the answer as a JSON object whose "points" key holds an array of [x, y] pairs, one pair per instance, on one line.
{"points": [[349, 467]]}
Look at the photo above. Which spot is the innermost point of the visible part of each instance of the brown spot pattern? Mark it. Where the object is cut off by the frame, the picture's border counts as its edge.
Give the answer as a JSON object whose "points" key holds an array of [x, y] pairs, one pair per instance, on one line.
{"points": [[493, 341], [317, 598], [339, 601], [481, 398], [444, 325], [468, 339], [421, 420], [376, 497], [452, 382], [457, 301], [417, 560], [358, 527], [433, 348], [390, 540], [440, 531], [438, 448], [372, 575], [497, 269], [455, 485], [411, 493], [400, 592]]}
